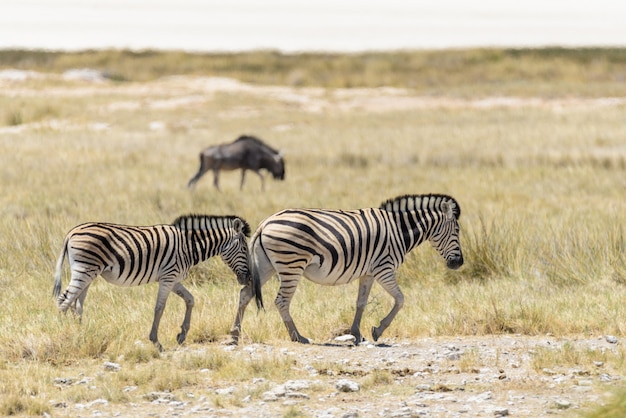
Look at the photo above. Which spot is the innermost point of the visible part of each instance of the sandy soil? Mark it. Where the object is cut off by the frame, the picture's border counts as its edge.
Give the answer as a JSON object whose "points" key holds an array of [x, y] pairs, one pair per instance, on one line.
{"points": [[433, 377]]}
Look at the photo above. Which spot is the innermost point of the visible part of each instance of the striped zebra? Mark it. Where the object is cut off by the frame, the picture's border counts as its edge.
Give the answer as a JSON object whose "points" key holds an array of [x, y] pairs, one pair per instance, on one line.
{"points": [[334, 247], [134, 255]]}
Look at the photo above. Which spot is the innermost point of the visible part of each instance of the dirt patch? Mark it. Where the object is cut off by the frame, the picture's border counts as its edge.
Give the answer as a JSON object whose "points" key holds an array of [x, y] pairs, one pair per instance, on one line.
{"points": [[464, 376]]}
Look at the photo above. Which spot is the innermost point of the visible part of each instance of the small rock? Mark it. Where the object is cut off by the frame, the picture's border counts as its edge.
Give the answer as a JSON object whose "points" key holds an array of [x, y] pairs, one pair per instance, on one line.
{"points": [[345, 385], [345, 338], [102, 402], [279, 390], [111, 367], [501, 412], [611, 339], [63, 380], [402, 412], [297, 385], [296, 395], [270, 397], [562, 404], [481, 397], [225, 391]]}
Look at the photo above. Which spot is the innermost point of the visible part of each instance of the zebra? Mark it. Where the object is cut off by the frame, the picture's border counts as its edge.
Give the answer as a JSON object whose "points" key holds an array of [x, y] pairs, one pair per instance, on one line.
{"points": [[335, 247], [134, 255]]}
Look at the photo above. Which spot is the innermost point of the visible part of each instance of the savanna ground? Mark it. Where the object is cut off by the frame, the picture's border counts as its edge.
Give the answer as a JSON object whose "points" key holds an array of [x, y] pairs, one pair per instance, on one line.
{"points": [[530, 142]]}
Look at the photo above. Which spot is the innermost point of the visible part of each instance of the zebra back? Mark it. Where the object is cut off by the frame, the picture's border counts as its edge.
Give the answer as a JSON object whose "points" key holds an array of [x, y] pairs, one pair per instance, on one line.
{"points": [[211, 222], [409, 203]]}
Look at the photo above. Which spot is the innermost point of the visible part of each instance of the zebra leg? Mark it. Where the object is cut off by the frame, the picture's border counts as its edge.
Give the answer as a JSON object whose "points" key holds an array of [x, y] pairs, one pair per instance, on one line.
{"points": [[265, 270], [391, 286], [365, 285], [74, 295], [164, 290], [282, 302], [80, 302], [181, 291], [245, 296]]}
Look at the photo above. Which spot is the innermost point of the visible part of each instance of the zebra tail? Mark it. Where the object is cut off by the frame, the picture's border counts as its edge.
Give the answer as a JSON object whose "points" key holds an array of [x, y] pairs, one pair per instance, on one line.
{"points": [[256, 279], [56, 290]]}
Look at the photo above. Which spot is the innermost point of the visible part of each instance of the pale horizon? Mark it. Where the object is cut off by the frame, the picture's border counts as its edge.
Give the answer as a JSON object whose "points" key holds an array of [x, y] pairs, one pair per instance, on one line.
{"points": [[293, 26]]}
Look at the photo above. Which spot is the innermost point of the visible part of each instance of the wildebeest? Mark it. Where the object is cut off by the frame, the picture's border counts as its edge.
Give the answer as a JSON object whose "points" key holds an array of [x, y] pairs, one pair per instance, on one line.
{"points": [[247, 153]]}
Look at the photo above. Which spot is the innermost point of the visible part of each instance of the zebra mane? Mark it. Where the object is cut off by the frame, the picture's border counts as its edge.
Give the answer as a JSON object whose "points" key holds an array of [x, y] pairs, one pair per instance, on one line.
{"points": [[195, 221], [426, 201]]}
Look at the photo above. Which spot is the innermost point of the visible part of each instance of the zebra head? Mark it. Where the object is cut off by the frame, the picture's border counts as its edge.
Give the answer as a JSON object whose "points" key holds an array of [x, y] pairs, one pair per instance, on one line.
{"points": [[235, 251], [445, 236]]}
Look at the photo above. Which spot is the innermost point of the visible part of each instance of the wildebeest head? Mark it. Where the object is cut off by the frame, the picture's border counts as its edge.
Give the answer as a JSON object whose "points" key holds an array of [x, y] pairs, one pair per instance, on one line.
{"points": [[278, 166]]}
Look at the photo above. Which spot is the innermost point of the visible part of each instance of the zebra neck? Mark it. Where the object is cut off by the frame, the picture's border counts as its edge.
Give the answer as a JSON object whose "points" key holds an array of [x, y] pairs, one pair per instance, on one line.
{"points": [[415, 228], [202, 245]]}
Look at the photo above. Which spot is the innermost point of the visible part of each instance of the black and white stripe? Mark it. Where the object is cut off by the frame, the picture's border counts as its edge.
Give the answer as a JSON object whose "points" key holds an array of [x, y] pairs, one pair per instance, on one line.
{"points": [[134, 255], [333, 247]]}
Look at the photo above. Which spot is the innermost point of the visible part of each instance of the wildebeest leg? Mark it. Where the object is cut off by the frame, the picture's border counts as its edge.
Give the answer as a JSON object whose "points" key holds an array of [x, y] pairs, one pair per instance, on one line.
{"points": [[365, 285], [243, 177], [216, 178], [165, 288], [181, 291], [390, 284], [283, 300], [203, 169]]}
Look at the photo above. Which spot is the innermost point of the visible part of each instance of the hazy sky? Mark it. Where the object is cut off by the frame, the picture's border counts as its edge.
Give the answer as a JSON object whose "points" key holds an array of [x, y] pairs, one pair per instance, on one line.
{"points": [[292, 25]]}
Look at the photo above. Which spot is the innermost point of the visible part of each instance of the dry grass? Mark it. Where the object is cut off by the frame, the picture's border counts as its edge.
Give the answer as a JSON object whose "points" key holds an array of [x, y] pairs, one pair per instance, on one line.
{"points": [[541, 189], [544, 72]]}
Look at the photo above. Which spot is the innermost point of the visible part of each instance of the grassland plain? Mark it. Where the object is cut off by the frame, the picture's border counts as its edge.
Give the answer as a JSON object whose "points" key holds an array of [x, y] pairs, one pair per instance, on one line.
{"points": [[520, 328]]}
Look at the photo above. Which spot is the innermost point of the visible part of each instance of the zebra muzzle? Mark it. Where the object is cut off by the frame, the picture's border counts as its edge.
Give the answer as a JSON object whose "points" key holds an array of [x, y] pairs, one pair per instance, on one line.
{"points": [[454, 263], [244, 279]]}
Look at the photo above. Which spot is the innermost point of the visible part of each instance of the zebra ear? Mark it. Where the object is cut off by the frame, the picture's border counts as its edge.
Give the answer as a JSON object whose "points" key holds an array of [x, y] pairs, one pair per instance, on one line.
{"points": [[446, 207], [238, 225]]}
